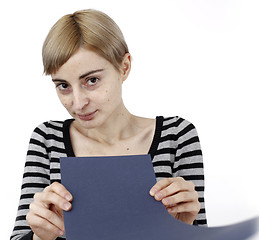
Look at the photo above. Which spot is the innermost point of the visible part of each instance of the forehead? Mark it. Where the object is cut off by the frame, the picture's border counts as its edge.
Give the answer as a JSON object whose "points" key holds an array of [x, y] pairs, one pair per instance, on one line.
{"points": [[82, 61]]}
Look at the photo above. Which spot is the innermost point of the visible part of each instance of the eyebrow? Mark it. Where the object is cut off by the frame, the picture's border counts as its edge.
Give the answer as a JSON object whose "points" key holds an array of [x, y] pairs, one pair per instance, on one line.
{"points": [[80, 77], [90, 72]]}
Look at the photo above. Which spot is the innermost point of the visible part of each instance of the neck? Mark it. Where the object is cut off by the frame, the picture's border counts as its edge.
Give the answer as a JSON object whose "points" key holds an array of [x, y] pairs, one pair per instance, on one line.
{"points": [[117, 127]]}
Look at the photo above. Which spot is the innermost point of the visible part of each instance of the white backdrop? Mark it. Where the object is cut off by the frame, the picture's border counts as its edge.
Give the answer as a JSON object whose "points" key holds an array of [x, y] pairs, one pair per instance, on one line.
{"points": [[198, 59]]}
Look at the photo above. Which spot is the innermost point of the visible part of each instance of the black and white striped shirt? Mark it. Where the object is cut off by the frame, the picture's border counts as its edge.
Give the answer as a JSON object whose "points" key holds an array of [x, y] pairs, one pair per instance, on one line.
{"points": [[175, 151]]}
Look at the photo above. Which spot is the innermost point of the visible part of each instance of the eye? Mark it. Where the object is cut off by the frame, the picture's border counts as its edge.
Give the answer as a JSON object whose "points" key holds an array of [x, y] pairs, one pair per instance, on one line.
{"points": [[92, 81], [63, 88]]}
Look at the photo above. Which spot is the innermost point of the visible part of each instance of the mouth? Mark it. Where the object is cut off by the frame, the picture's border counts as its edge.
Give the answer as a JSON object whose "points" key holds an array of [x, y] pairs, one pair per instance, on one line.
{"points": [[87, 116]]}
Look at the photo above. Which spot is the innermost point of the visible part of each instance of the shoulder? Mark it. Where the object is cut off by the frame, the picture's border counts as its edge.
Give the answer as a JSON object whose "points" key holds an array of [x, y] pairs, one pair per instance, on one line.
{"points": [[50, 128], [176, 128], [175, 124]]}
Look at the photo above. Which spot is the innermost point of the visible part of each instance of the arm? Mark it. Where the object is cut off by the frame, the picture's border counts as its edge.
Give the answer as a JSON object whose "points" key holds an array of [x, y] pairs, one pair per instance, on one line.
{"points": [[183, 195], [36, 178]]}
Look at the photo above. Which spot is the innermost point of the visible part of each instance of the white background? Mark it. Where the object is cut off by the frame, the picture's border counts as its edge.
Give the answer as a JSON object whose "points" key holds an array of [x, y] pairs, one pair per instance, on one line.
{"points": [[198, 59]]}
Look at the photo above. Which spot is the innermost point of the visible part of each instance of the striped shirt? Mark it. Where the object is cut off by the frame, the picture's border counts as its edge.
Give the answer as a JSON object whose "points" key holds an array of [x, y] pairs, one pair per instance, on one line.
{"points": [[175, 152]]}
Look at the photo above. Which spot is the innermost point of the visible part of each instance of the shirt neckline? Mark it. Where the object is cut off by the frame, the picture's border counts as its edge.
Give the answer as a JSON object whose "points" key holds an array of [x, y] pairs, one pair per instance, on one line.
{"points": [[153, 147]]}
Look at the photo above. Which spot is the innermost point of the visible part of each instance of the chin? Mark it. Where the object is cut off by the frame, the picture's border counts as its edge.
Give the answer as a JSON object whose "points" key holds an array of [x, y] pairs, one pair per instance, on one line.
{"points": [[89, 124]]}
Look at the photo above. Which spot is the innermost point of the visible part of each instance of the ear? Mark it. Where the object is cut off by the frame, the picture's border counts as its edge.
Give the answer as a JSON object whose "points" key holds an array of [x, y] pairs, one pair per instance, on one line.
{"points": [[125, 66]]}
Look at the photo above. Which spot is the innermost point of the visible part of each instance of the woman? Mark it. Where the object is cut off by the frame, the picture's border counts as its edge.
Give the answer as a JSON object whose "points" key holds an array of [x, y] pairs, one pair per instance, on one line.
{"points": [[88, 59]]}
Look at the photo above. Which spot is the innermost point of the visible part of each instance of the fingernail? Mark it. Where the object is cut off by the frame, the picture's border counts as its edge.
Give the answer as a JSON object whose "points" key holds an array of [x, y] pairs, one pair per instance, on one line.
{"points": [[60, 233], [165, 201], [153, 191], [68, 197], [66, 206], [159, 196]]}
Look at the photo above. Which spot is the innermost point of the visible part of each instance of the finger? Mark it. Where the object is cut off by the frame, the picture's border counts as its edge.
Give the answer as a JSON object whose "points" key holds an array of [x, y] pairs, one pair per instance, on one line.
{"points": [[59, 212], [51, 198], [160, 185], [190, 207], [59, 189], [177, 185], [51, 216], [180, 197], [39, 224]]}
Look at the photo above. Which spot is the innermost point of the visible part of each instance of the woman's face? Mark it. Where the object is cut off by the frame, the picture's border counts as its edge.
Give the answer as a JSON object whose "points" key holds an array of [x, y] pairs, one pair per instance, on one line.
{"points": [[90, 88]]}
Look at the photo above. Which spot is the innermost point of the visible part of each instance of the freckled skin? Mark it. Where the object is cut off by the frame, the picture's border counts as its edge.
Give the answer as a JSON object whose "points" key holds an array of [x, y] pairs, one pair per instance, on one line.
{"points": [[105, 98]]}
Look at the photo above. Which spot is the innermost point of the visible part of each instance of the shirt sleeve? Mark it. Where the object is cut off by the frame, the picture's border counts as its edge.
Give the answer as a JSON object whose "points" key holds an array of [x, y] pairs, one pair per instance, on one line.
{"points": [[35, 178], [189, 162]]}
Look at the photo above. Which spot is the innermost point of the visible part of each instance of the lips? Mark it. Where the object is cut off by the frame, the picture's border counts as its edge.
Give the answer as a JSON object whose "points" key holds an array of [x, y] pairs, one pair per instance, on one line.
{"points": [[87, 116]]}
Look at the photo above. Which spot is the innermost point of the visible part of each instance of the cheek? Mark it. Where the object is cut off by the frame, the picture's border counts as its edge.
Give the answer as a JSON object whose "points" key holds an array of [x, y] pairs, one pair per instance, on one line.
{"points": [[64, 101], [65, 105], [112, 95], [107, 96]]}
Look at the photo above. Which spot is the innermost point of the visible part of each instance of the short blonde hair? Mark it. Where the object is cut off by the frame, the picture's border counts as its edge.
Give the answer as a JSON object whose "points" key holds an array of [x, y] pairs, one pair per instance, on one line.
{"points": [[90, 29]]}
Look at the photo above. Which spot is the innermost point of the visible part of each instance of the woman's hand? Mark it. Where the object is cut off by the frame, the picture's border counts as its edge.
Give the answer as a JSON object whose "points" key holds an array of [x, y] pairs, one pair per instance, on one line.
{"points": [[179, 197], [46, 212]]}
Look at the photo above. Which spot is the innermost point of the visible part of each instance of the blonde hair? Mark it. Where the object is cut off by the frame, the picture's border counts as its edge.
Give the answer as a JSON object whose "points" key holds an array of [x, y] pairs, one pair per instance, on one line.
{"points": [[90, 29]]}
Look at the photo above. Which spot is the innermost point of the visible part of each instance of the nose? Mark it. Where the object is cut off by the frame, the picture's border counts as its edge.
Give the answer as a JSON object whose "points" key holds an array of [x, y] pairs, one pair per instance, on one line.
{"points": [[80, 100]]}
